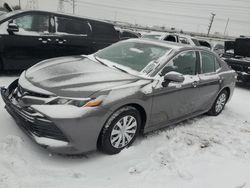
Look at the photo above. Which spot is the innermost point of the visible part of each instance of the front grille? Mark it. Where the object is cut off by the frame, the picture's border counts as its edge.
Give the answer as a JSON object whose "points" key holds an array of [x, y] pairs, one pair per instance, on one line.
{"points": [[30, 120], [39, 125], [46, 130]]}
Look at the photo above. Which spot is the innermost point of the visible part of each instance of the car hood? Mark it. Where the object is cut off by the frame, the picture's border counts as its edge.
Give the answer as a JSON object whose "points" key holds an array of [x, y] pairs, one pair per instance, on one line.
{"points": [[74, 77]]}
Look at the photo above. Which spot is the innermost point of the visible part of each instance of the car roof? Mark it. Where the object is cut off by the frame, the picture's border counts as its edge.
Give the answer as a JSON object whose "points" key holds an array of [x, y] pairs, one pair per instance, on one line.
{"points": [[59, 13], [173, 45]]}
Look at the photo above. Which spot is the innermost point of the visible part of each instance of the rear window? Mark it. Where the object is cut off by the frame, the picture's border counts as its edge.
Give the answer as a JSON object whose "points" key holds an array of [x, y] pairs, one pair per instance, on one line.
{"points": [[126, 34], [72, 26], [196, 42], [104, 30], [183, 40], [209, 63]]}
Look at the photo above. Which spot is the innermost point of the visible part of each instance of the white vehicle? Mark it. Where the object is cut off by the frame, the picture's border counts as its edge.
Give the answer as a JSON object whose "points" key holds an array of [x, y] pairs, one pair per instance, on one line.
{"points": [[173, 37]]}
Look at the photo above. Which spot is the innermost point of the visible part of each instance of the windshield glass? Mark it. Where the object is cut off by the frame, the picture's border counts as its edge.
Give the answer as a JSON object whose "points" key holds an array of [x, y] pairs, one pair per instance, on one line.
{"points": [[134, 55]]}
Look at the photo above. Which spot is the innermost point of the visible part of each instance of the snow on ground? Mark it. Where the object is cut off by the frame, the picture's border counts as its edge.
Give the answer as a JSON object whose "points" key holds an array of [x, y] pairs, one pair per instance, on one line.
{"points": [[202, 152]]}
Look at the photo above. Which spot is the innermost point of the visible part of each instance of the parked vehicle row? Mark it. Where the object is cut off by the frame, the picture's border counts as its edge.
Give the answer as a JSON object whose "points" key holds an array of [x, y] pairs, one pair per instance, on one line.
{"points": [[80, 103], [27, 37], [178, 38], [237, 55]]}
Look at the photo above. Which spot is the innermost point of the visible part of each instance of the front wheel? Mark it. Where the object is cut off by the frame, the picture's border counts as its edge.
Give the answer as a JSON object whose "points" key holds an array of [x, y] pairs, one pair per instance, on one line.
{"points": [[219, 103], [120, 130]]}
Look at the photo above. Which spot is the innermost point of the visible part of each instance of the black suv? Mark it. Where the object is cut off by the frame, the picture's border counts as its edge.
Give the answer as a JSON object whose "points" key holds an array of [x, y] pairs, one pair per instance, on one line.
{"points": [[27, 37]]}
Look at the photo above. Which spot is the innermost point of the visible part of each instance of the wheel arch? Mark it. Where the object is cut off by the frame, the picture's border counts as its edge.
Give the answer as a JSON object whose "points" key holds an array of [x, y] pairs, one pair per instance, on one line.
{"points": [[138, 107], [227, 88]]}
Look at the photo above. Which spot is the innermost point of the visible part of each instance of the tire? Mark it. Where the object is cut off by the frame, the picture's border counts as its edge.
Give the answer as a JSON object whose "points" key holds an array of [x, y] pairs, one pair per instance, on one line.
{"points": [[219, 103], [1, 65], [116, 134]]}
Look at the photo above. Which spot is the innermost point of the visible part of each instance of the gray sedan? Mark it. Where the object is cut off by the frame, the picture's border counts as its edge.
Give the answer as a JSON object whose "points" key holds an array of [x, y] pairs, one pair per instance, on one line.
{"points": [[77, 104]]}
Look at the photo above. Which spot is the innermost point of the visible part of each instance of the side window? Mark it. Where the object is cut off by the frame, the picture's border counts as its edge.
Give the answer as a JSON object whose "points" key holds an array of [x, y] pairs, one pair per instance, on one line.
{"points": [[209, 63], [72, 26], [217, 64], [183, 40], [104, 30], [33, 23], [184, 63]]}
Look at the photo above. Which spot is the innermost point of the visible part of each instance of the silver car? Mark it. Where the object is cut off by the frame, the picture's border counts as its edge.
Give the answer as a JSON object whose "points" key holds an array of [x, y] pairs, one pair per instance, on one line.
{"points": [[72, 105]]}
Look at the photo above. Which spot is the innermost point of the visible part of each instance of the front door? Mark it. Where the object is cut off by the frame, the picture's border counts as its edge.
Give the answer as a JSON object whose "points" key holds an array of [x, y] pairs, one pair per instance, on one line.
{"points": [[31, 44], [177, 100]]}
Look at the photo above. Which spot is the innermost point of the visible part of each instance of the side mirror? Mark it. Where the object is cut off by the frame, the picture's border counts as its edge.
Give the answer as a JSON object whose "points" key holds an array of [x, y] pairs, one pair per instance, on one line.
{"points": [[173, 77], [12, 27]]}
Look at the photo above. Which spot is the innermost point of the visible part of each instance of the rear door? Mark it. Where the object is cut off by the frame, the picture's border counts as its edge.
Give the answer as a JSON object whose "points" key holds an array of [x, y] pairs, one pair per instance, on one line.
{"points": [[72, 36], [210, 80], [31, 44]]}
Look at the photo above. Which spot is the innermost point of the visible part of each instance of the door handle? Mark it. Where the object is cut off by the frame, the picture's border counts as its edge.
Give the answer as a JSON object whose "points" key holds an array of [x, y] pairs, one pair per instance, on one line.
{"points": [[61, 41], [195, 84], [44, 41]]}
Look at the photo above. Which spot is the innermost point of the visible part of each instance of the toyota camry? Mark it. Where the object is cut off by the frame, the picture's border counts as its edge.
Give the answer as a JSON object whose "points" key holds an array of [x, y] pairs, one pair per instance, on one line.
{"points": [[102, 101]]}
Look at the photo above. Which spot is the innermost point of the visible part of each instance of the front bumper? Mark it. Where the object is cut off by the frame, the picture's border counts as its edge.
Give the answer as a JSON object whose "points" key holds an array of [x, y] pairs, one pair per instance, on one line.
{"points": [[39, 128], [59, 135]]}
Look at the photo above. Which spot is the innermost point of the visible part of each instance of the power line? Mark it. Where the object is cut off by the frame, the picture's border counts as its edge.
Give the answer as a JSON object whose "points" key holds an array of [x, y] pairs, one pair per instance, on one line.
{"points": [[155, 12], [205, 4]]}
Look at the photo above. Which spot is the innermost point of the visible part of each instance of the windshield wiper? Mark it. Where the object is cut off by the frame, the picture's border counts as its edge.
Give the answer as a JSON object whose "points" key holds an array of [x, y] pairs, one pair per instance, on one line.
{"points": [[119, 68], [111, 65], [100, 61]]}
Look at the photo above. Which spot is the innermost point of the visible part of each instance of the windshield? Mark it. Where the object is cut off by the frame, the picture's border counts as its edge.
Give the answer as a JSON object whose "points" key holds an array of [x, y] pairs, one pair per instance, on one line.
{"points": [[134, 55]]}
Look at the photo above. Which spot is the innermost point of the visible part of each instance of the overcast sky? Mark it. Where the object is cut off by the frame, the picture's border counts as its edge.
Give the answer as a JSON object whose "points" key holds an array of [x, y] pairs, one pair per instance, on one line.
{"points": [[190, 15]]}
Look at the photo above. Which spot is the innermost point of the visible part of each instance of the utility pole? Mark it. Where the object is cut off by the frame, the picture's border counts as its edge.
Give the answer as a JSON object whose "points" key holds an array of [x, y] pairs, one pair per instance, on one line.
{"points": [[60, 7], [20, 3], [74, 5], [211, 23], [32, 4], [226, 27]]}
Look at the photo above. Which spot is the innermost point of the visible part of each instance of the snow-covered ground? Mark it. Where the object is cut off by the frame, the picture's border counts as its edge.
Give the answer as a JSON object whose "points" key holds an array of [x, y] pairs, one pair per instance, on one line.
{"points": [[205, 152]]}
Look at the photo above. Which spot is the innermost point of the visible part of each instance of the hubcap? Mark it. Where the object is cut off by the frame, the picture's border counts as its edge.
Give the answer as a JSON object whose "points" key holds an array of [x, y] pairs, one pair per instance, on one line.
{"points": [[123, 132], [220, 103]]}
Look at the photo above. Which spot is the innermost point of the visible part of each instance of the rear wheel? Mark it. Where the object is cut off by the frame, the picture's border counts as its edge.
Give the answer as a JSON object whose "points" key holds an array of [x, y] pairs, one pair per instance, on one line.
{"points": [[219, 103], [120, 131]]}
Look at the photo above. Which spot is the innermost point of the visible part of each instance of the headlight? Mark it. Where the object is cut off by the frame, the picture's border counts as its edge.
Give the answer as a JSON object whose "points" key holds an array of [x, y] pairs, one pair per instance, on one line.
{"points": [[77, 102]]}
